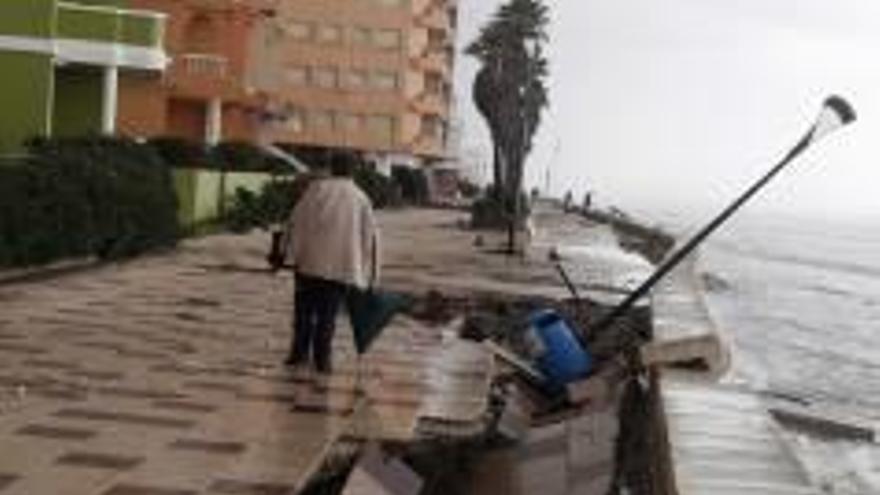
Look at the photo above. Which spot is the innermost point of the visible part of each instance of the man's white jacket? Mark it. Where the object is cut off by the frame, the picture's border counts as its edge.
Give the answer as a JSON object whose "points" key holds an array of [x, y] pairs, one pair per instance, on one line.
{"points": [[332, 234]]}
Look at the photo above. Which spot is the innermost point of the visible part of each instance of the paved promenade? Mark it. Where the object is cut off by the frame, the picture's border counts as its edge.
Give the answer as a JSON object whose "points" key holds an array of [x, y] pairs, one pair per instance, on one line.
{"points": [[162, 376]]}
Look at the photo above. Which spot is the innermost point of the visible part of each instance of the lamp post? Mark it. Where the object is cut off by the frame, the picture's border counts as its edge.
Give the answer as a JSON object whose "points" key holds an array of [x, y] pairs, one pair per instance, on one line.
{"points": [[836, 113]]}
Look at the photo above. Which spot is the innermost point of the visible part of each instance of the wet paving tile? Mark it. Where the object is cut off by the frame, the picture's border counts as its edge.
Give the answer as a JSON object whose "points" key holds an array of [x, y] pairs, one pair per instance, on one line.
{"points": [[186, 406], [56, 432], [7, 479], [129, 489], [70, 333], [67, 394], [23, 349], [141, 354], [137, 393], [99, 375], [218, 386], [277, 398], [103, 346], [17, 380], [208, 446], [95, 460], [126, 418], [50, 364], [175, 369], [321, 407], [236, 487]]}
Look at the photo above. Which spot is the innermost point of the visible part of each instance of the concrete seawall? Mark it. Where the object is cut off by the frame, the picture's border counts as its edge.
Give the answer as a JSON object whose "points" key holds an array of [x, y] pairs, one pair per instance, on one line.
{"points": [[718, 438]]}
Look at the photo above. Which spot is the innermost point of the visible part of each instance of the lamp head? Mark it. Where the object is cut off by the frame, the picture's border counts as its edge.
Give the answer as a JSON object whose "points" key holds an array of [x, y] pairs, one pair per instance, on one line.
{"points": [[836, 113]]}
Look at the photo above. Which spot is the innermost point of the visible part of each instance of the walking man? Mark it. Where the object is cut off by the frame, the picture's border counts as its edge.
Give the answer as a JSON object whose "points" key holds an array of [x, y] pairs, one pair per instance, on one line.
{"points": [[331, 240]]}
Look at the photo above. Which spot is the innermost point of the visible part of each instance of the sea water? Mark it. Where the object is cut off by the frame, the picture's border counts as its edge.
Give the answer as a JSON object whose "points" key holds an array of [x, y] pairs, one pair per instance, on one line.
{"points": [[799, 300]]}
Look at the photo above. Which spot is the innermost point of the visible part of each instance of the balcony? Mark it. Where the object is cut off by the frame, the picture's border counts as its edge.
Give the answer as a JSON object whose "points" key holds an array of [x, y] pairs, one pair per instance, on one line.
{"points": [[430, 103], [201, 75], [433, 61], [204, 65], [139, 29], [438, 15], [105, 35]]}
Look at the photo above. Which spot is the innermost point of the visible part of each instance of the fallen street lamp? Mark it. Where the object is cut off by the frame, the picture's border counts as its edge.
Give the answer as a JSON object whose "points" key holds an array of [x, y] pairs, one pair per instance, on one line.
{"points": [[836, 113]]}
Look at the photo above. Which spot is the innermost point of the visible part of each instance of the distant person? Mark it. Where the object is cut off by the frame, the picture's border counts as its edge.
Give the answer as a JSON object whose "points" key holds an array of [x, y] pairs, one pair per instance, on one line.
{"points": [[331, 240], [567, 202], [588, 201]]}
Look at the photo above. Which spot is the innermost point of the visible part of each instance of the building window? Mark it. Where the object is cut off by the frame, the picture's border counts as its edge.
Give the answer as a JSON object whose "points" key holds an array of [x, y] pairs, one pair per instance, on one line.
{"points": [[432, 127], [300, 31], [387, 39], [384, 81], [356, 79], [324, 121], [361, 36], [353, 123], [381, 128], [297, 75], [295, 119], [201, 34], [434, 83], [326, 77], [329, 34], [436, 39]]}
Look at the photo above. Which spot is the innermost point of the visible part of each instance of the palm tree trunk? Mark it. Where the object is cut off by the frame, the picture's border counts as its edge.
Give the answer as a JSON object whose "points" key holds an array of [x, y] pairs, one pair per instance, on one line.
{"points": [[498, 172]]}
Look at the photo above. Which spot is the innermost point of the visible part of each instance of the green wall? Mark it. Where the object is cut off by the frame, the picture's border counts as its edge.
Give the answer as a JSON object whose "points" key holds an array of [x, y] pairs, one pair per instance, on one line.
{"points": [[89, 25], [27, 17], [109, 3], [78, 102], [198, 192], [27, 77], [24, 98]]}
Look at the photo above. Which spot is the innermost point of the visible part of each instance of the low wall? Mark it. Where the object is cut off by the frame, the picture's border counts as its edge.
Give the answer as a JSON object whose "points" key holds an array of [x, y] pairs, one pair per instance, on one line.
{"points": [[203, 194]]}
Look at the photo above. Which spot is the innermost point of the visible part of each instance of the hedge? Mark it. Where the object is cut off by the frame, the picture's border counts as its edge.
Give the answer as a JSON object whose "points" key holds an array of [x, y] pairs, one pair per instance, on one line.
{"points": [[68, 198], [228, 156], [413, 184], [274, 203]]}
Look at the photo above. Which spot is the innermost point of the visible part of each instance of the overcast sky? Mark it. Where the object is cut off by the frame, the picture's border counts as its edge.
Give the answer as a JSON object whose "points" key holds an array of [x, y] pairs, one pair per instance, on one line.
{"points": [[681, 104]]}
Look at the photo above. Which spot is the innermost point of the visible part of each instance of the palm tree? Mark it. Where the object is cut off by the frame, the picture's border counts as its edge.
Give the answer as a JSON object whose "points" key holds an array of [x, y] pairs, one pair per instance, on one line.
{"points": [[510, 92]]}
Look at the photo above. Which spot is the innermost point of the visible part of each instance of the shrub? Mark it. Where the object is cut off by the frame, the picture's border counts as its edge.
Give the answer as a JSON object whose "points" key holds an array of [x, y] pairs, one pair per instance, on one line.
{"points": [[468, 189], [382, 191], [274, 203], [413, 184], [85, 197], [182, 153], [241, 156], [491, 212], [228, 156]]}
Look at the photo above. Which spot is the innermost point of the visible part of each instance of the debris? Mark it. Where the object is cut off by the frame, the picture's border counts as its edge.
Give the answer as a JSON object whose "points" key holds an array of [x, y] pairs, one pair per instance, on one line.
{"points": [[824, 425], [377, 474], [521, 365]]}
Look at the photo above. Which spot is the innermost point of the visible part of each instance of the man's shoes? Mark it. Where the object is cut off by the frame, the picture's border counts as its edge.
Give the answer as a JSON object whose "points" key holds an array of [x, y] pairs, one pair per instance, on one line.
{"points": [[293, 361]]}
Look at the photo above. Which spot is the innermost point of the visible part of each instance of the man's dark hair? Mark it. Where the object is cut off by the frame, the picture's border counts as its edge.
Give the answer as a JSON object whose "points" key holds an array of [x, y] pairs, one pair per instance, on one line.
{"points": [[343, 164]]}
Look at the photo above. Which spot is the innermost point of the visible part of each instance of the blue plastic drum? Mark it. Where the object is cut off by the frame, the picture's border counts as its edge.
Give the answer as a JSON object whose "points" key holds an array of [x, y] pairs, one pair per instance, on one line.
{"points": [[559, 354]]}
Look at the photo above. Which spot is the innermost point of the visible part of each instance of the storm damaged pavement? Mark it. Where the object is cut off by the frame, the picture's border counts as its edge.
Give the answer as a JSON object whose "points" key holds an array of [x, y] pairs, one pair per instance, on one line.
{"points": [[163, 375]]}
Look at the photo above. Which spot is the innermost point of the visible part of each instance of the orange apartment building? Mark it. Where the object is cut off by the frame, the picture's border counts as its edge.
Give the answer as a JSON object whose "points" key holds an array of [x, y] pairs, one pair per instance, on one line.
{"points": [[373, 76], [210, 90]]}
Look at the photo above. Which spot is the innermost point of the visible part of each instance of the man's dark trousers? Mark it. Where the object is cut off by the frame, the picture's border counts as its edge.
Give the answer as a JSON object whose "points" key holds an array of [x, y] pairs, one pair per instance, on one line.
{"points": [[316, 303]]}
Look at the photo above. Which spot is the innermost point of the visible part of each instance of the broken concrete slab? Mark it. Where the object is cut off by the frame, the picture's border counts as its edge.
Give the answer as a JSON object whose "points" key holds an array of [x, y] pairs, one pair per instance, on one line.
{"points": [[378, 474]]}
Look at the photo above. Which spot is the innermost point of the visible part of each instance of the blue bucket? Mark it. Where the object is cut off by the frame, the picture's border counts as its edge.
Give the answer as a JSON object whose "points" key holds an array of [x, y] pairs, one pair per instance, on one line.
{"points": [[561, 357]]}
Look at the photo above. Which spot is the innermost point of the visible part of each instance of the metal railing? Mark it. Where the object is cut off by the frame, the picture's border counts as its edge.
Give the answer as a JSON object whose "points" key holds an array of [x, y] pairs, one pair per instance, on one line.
{"points": [[201, 64]]}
